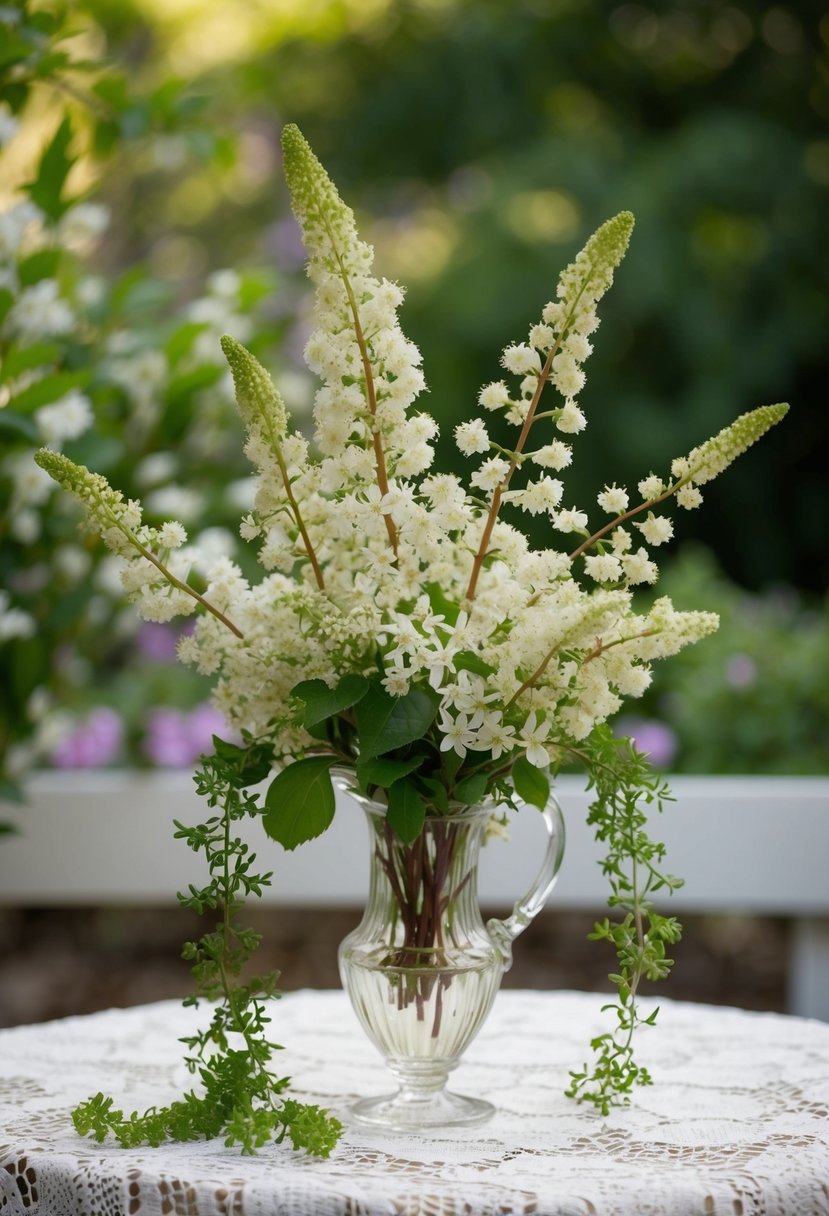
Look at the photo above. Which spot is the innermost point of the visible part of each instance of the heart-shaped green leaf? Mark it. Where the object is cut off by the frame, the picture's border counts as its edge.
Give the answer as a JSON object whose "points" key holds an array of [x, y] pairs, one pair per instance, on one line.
{"points": [[300, 801], [407, 812], [385, 772], [385, 722], [530, 783], [471, 790], [322, 702]]}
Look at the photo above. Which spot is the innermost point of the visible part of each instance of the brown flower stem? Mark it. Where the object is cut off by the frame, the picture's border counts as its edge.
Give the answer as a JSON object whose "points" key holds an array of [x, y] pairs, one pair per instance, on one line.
{"points": [[295, 511], [371, 392], [495, 504], [620, 519], [181, 586]]}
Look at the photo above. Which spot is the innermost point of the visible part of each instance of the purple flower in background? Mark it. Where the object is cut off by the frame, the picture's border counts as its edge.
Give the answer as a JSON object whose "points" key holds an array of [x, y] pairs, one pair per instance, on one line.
{"points": [[654, 739], [176, 739], [741, 671], [94, 743], [159, 642], [203, 723]]}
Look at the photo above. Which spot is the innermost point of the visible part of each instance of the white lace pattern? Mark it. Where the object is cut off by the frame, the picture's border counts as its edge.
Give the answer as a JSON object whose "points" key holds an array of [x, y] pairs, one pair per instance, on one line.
{"points": [[736, 1124]]}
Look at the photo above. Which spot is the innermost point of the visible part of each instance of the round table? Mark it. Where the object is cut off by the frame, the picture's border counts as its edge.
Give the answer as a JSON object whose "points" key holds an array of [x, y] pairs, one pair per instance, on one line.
{"points": [[737, 1121]]}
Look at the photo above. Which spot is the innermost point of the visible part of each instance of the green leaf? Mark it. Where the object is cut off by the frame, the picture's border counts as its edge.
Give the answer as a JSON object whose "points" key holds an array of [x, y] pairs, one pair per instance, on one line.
{"points": [[385, 772], [300, 801], [6, 301], [437, 793], [385, 722], [27, 357], [407, 812], [46, 190], [322, 702], [252, 764], [530, 783], [472, 789], [182, 339], [19, 424], [467, 660], [41, 265], [440, 604], [50, 388]]}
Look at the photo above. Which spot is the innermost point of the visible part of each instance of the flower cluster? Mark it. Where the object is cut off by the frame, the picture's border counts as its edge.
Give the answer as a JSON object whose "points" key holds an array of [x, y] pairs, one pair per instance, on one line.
{"points": [[403, 627], [376, 567]]}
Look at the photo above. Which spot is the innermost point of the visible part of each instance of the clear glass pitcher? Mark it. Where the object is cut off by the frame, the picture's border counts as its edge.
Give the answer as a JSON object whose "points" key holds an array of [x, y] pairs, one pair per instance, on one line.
{"points": [[422, 969]]}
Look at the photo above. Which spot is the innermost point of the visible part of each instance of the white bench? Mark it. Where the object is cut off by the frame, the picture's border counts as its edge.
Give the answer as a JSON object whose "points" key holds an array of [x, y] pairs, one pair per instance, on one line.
{"points": [[742, 844]]}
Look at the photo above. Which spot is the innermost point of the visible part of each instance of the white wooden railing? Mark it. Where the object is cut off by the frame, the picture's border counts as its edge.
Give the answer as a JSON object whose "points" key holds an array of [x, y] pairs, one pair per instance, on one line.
{"points": [[742, 844]]}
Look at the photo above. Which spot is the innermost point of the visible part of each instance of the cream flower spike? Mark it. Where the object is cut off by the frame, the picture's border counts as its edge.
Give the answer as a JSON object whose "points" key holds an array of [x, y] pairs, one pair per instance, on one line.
{"points": [[716, 454], [260, 406], [329, 231]]}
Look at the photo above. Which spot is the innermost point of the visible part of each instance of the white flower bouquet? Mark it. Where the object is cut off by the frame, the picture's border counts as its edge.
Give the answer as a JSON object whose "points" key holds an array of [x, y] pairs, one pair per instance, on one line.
{"points": [[404, 626]]}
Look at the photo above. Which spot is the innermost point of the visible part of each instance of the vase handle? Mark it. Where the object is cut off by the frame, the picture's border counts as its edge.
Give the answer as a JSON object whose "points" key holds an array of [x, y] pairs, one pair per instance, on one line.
{"points": [[504, 932]]}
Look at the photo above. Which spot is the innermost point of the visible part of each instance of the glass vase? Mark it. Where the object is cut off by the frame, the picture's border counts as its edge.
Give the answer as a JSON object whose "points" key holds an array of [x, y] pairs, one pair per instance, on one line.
{"points": [[422, 969]]}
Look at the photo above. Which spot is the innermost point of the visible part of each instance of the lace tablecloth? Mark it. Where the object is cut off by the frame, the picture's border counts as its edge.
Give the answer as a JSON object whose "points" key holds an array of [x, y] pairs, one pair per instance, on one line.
{"points": [[737, 1121]]}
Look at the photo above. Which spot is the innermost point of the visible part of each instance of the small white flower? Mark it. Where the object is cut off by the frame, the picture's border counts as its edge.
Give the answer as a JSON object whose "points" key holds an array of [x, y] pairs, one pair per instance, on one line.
{"points": [[570, 521], [40, 312], [651, 487], [495, 736], [81, 224], [533, 736], [614, 499], [471, 437], [538, 496], [457, 735], [249, 528], [494, 396], [155, 468], [555, 455], [578, 346], [567, 375], [65, 419], [521, 359], [571, 420], [491, 473], [179, 501], [639, 568], [14, 622], [172, 535], [542, 337], [603, 567], [397, 681], [688, 496], [224, 283], [656, 529]]}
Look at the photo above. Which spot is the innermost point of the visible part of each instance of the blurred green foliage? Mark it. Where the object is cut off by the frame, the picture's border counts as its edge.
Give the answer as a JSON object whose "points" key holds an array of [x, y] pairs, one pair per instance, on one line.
{"points": [[752, 698], [492, 138], [116, 369]]}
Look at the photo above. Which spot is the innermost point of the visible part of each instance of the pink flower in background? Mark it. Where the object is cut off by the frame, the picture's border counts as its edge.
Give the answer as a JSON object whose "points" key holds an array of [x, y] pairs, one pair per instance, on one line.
{"points": [[94, 743], [159, 642], [176, 738], [741, 671], [654, 739]]}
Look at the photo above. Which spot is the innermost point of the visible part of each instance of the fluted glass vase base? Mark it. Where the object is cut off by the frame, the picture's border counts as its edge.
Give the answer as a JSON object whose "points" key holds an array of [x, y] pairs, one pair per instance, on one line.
{"points": [[410, 1112]]}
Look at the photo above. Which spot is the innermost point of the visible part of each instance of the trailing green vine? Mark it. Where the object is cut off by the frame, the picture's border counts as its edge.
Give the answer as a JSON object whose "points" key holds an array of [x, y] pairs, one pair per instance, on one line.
{"points": [[624, 783], [240, 1096]]}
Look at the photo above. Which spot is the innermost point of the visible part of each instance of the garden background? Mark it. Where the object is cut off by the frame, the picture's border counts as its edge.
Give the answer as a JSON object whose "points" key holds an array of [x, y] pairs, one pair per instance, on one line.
{"points": [[142, 215]]}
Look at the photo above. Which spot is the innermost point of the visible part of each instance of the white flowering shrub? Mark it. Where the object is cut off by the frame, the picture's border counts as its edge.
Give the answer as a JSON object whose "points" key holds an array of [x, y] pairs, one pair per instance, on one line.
{"points": [[404, 626], [111, 369]]}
